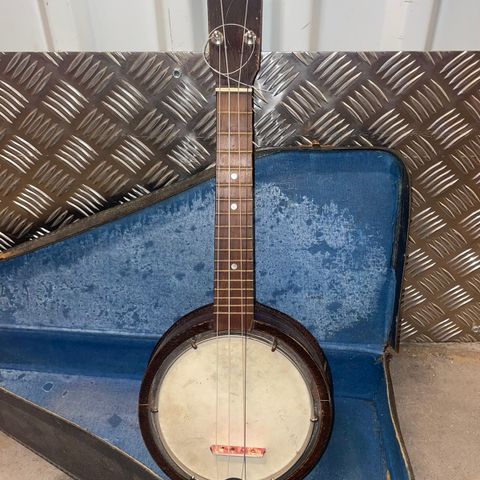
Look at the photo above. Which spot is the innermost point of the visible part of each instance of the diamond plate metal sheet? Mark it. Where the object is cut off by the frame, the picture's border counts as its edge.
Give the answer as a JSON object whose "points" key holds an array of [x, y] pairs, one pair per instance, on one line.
{"points": [[80, 132]]}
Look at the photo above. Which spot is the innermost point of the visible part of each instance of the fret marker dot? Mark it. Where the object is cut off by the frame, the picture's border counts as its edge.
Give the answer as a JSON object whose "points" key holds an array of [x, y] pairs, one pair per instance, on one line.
{"points": [[233, 206], [234, 266], [234, 176]]}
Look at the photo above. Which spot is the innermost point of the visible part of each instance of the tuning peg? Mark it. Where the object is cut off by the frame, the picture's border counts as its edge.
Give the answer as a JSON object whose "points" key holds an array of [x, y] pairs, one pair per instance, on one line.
{"points": [[250, 38], [217, 37]]}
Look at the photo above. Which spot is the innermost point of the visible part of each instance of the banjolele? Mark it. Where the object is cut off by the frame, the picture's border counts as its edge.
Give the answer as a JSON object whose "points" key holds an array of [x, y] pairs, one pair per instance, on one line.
{"points": [[235, 389]]}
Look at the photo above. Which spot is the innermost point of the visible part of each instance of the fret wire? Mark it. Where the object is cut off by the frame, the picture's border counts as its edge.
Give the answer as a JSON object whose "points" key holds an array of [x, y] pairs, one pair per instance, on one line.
{"points": [[235, 198], [236, 112], [236, 279], [234, 168], [234, 150], [226, 260], [233, 260], [241, 298], [243, 225], [226, 289], [239, 270], [235, 214], [250, 280], [230, 289], [236, 182], [221, 268], [236, 230], [246, 313], [242, 265], [236, 288], [235, 185], [236, 133], [248, 306]]}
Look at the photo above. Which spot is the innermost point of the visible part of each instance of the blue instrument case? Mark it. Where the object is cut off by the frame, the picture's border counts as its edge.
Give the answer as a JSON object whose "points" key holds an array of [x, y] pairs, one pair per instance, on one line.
{"points": [[82, 308]]}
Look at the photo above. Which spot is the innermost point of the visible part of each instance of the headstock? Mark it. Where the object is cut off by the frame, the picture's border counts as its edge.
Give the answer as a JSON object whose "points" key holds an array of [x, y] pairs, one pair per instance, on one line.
{"points": [[235, 28]]}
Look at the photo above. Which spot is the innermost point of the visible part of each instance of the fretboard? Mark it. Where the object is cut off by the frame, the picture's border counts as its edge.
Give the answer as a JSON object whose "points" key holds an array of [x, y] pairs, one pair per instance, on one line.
{"points": [[234, 259]]}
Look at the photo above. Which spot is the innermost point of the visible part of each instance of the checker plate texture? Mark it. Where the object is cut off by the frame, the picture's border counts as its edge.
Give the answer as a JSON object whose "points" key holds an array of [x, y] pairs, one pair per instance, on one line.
{"points": [[80, 132]]}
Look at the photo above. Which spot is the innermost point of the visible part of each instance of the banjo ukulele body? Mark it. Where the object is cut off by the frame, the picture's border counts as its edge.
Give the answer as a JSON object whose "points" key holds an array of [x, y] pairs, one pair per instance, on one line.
{"points": [[236, 389], [288, 407]]}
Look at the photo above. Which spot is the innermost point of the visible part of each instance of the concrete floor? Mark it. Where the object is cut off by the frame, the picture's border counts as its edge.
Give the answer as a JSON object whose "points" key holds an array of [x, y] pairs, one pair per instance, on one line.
{"points": [[437, 391], [19, 463]]}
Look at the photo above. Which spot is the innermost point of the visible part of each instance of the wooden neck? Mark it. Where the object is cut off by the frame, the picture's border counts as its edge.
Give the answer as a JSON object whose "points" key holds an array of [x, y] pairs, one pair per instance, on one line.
{"points": [[234, 259]]}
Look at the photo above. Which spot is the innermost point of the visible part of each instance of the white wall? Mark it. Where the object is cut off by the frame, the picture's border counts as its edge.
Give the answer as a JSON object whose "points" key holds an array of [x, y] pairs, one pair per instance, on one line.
{"points": [[138, 25]]}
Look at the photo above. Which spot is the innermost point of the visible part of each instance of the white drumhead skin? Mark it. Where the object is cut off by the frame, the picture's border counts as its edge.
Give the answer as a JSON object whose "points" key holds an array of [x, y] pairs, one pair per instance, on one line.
{"points": [[279, 408]]}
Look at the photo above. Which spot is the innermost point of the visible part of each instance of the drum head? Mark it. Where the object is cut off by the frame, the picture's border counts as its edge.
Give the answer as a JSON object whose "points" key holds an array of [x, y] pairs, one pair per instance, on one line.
{"points": [[231, 405]]}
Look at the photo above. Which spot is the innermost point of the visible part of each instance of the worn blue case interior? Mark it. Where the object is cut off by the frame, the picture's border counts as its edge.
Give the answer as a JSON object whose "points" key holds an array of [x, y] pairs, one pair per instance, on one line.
{"points": [[80, 317]]}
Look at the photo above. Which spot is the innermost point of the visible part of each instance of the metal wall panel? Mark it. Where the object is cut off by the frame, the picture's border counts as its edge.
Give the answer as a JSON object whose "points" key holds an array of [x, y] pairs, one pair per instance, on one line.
{"points": [[82, 132]]}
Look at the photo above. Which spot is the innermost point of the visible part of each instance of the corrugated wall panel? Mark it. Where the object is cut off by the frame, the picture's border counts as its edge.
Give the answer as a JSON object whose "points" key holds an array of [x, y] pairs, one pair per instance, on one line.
{"points": [[21, 26], [457, 26], [350, 25], [106, 25]]}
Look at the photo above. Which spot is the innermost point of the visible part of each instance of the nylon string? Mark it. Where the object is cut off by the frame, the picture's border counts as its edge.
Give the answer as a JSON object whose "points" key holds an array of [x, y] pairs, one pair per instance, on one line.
{"points": [[218, 281], [242, 259], [227, 69]]}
